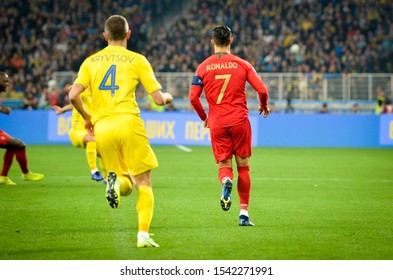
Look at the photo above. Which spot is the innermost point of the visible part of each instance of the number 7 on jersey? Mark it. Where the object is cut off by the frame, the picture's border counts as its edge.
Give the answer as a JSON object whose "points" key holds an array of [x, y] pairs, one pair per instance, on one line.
{"points": [[226, 77]]}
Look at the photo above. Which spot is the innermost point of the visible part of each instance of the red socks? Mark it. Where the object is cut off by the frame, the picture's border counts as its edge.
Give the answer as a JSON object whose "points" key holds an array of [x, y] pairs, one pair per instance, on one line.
{"points": [[244, 186], [243, 183], [9, 157], [22, 160], [225, 172]]}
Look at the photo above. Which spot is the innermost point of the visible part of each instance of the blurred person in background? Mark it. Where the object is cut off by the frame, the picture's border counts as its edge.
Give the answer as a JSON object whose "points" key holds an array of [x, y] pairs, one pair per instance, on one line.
{"points": [[355, 108], [387, 107], [30, 102], [380, 100], [14, 147], [324, 109]]}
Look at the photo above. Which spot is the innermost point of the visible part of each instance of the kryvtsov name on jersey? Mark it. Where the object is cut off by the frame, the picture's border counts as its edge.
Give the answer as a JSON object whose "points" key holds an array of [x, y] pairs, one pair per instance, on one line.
{"points": [[112, 58], [225, 65]]}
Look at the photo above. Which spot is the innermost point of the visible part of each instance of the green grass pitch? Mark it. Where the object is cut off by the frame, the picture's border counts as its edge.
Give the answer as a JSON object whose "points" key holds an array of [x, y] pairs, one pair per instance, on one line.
{"points": [[307, 204]]}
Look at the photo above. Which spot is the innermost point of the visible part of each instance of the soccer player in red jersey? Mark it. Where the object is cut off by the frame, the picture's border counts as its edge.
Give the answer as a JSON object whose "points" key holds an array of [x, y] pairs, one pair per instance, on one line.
{"points": [[14, 147], [223, 77]]}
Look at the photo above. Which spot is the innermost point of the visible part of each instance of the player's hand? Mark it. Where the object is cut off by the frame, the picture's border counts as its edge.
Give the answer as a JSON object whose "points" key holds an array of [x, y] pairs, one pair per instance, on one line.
{"points": [[89, 126], [57, 109], [205, 124], [168, 98], [265, 110], [5, 110]]}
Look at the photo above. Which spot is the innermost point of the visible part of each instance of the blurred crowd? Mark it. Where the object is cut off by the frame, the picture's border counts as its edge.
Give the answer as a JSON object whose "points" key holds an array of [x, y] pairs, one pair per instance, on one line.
{"points": [[284, 36], [39, 37]]}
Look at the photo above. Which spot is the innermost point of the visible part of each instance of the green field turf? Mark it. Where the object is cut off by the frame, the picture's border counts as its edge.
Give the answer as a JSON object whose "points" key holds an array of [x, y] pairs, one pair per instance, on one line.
{"points": [[307, 204]]}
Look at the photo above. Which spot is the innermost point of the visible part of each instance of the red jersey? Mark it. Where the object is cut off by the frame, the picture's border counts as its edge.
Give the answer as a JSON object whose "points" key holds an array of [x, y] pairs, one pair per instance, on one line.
{"points": [[223, 77]]}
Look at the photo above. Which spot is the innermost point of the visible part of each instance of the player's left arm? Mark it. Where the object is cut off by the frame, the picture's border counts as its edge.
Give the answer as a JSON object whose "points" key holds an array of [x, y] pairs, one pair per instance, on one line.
{"points": [[150, 83], [161, 98]]}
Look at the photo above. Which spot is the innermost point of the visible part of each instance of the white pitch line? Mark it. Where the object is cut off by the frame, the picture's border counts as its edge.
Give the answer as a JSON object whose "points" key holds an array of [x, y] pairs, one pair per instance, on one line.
{"points": [[282, 179], [184, 148]]}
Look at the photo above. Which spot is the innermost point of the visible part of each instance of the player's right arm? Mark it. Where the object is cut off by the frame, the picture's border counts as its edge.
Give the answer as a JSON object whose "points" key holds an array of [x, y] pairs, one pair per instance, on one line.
{"points": [[4, 109], [161, 98], [76, 101], [195, 95]]}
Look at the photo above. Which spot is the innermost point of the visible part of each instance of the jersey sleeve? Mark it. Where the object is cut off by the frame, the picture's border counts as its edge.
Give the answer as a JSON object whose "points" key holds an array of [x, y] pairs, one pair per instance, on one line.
{"points": [[147, 77], [195, 95], [258, 85], [83, 75]]}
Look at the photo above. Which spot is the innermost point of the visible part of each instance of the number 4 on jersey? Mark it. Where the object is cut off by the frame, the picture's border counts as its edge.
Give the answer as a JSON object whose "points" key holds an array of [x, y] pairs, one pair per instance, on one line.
{"points": [[112, 85]]}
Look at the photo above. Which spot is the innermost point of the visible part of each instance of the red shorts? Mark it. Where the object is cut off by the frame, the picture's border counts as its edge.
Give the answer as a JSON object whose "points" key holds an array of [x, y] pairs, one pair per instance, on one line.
{"points": [[228, 141], [4, 137]]}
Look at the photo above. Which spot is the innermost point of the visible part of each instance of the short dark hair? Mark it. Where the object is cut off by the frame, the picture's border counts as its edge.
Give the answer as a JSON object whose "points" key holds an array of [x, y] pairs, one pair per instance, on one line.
{"points": [[116, 27], [222, 35]]}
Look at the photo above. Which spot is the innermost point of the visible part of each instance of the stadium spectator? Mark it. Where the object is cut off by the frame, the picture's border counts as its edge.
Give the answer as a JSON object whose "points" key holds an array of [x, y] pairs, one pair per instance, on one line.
{"points": [[291, 91], [118, 128], [223, 76], [53, 94], [30, 102], [273, 109], [17, 62], [380, 100], [44, 99], [324, 109], [355, 108], [387, 107], [14, 147], [63, 96]]}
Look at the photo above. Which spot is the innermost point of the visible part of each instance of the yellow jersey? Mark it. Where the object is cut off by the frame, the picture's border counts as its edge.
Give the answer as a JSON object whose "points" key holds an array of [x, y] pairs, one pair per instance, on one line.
{"points": [[113, 75]]}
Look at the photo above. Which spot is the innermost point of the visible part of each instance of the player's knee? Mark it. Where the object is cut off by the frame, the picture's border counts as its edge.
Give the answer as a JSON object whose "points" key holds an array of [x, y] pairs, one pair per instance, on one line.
{"points": [[242, 161], [143, 179], [17, 144]]}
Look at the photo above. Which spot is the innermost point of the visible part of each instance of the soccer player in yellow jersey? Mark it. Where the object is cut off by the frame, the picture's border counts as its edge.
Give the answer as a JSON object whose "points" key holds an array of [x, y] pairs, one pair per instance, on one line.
{"points": [[80, 137], [112, 75]]}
